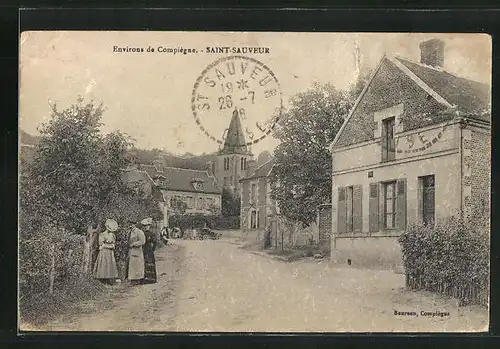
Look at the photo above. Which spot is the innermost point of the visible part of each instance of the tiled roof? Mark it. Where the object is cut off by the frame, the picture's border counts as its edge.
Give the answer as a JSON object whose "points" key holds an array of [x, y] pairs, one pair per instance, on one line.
{"points": [[235, 139], [262, 171], [180, 179], [469, 96]]}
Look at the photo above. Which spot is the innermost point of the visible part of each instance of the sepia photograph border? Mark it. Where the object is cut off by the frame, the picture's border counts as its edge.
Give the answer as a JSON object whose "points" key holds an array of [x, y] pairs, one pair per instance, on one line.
{"points": [[298, 20]]}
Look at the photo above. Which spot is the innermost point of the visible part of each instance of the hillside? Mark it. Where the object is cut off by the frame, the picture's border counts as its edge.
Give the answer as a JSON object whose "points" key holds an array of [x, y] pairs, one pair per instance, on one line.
{"points": [[143, 156], [25, 138]]}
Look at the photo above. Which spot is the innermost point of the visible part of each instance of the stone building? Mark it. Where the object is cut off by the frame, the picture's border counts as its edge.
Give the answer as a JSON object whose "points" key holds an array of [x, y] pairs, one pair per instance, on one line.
{"points": [[414, 148], [196, 189], [256, 203], [234, 158]]}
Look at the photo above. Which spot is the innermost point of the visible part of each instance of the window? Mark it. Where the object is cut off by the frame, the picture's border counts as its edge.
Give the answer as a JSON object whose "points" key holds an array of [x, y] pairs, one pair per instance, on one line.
{"points": [[254, 192], [243, 164], [349, 212], [190, 202], [226, 164], [349, 209], [388, 143], [427, 185], [389, 192]]}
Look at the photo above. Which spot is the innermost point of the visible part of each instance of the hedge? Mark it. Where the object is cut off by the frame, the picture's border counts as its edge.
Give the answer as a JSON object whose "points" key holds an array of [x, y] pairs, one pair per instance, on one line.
{"points": [[451, 258], [199, 221]]}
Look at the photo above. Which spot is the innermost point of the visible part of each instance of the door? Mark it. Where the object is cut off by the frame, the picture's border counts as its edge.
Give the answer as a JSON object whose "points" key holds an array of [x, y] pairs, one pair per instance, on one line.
{"points": [[253, 219]]}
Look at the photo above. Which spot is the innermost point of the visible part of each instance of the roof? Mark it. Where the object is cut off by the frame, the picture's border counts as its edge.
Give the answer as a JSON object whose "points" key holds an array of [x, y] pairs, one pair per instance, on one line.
{"points": [[468, 95], [449, 90], [263, 170], [235, 139], [180, 179]]}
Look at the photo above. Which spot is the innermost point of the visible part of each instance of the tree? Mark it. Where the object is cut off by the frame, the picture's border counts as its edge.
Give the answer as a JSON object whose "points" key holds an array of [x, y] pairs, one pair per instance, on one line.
{"points": [[178, 206], [231, 203], [75, 179], [263, 157], [301, 179]]}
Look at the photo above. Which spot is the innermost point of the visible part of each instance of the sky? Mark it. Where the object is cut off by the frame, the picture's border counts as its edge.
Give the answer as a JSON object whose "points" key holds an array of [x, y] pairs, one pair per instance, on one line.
{"points": [[148, 95]]}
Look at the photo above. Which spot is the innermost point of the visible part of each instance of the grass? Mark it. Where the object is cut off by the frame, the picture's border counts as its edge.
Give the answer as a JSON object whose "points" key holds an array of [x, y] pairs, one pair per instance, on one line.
{"points": [[37, 310]]}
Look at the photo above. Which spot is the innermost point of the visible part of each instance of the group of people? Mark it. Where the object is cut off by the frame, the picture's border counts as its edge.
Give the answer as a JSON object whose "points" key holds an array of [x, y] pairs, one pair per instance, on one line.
{"points": [[141, 265]]}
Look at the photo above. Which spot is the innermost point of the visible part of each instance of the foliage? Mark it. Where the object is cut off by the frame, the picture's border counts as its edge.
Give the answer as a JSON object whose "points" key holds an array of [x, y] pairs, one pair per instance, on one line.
{"points": [[188, 161], [178, 206], [75, 168], [231, 203], [451, 258], [199, 221], [214, 210], [75, 180], [301, 179]]}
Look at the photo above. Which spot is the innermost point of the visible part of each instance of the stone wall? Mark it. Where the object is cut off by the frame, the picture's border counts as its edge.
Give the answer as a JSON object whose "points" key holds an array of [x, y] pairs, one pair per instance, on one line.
{"points": [[325, 226]]}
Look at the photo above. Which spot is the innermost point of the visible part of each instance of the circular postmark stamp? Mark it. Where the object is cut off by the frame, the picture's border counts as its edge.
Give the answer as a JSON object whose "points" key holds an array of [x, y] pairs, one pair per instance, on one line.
{"points": [[237, 85]]}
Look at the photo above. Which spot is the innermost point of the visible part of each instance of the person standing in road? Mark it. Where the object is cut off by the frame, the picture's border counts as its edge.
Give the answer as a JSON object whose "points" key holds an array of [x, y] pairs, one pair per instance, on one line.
{"points": [[149, 252], [136, 255], [105, 269]]}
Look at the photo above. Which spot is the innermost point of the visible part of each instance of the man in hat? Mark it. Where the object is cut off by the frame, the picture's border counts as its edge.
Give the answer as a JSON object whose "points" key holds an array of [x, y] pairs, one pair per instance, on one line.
{"points": [[149, 252], [137, 239]]}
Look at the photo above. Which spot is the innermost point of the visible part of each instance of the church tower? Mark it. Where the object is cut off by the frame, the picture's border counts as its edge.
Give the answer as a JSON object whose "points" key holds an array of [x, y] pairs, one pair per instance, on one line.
{"points": [[232, 160]]}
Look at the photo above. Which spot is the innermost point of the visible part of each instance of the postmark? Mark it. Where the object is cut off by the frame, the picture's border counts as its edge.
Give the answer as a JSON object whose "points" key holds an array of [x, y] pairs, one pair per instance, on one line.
{"points": [[237, 84]]}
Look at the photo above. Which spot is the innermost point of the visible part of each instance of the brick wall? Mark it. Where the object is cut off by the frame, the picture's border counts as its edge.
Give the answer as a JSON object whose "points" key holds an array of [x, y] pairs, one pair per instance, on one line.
{"points": [[476, 169], [325, 225], [390, 87]]}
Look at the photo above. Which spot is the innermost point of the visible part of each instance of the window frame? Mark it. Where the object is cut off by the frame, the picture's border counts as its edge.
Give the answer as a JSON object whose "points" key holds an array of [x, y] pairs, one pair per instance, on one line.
{"points": [[389, 130], [424, 189], [349, 202], [393, 201]]}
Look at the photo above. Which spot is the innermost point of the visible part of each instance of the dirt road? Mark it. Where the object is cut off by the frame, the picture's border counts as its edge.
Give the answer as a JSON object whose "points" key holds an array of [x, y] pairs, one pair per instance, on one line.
{"points": [[215, 286]]}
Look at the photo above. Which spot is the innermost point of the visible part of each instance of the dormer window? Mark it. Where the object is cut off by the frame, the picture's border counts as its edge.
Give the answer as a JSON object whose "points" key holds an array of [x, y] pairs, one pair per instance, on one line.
{"points": [[197, 184], [161, 180]]}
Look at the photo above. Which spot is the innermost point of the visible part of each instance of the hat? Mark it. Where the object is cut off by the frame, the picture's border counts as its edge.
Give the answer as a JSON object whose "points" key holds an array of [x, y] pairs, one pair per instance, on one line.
{"points": [[147, 221], [111, 225]]}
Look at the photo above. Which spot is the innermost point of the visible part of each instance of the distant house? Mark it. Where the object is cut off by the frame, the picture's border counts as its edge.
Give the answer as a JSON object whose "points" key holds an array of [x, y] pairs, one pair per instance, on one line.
{"points": [[195, 188], [414, 148], [256, 202]]}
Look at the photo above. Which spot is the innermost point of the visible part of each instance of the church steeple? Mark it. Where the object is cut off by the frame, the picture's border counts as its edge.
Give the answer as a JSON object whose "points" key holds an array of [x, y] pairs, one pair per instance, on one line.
{"points": [[235, 139]]}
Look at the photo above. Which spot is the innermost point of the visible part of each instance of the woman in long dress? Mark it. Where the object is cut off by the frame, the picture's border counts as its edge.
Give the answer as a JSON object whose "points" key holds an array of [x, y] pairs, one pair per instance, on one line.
{"points": [[149, 252], [105, 268], [136, 255]]}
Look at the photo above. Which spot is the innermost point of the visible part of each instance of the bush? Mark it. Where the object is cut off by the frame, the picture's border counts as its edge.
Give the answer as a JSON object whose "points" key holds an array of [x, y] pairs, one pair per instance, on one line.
{"points": [[450, 258], [199, 221]]}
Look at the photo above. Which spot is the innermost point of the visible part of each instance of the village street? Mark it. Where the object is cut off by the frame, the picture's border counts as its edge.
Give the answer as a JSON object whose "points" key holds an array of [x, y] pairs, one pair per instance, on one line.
{"points": [[216, 286]]}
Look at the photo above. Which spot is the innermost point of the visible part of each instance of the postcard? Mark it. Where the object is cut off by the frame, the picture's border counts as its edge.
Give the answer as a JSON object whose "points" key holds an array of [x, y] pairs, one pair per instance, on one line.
{"points": [[254, 181]]}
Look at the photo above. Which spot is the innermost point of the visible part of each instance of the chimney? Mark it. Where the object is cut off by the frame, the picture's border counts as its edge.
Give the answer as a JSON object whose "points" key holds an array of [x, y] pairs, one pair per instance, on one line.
{"points": [[432, 53], [251, 166]]}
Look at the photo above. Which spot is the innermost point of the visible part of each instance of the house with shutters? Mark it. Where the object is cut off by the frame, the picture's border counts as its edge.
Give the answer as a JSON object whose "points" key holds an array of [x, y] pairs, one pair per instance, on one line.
{"points": [[256, 203], [415, 148], [196, 189]]}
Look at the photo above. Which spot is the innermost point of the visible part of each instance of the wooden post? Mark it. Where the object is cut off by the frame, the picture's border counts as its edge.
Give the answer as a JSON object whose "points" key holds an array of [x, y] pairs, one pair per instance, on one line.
{"points": [[52, 274]]}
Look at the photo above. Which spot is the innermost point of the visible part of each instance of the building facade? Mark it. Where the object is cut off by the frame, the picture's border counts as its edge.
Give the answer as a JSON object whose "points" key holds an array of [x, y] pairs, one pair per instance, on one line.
{"points": [[195, 189], [415, 148], [256, 202]]}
